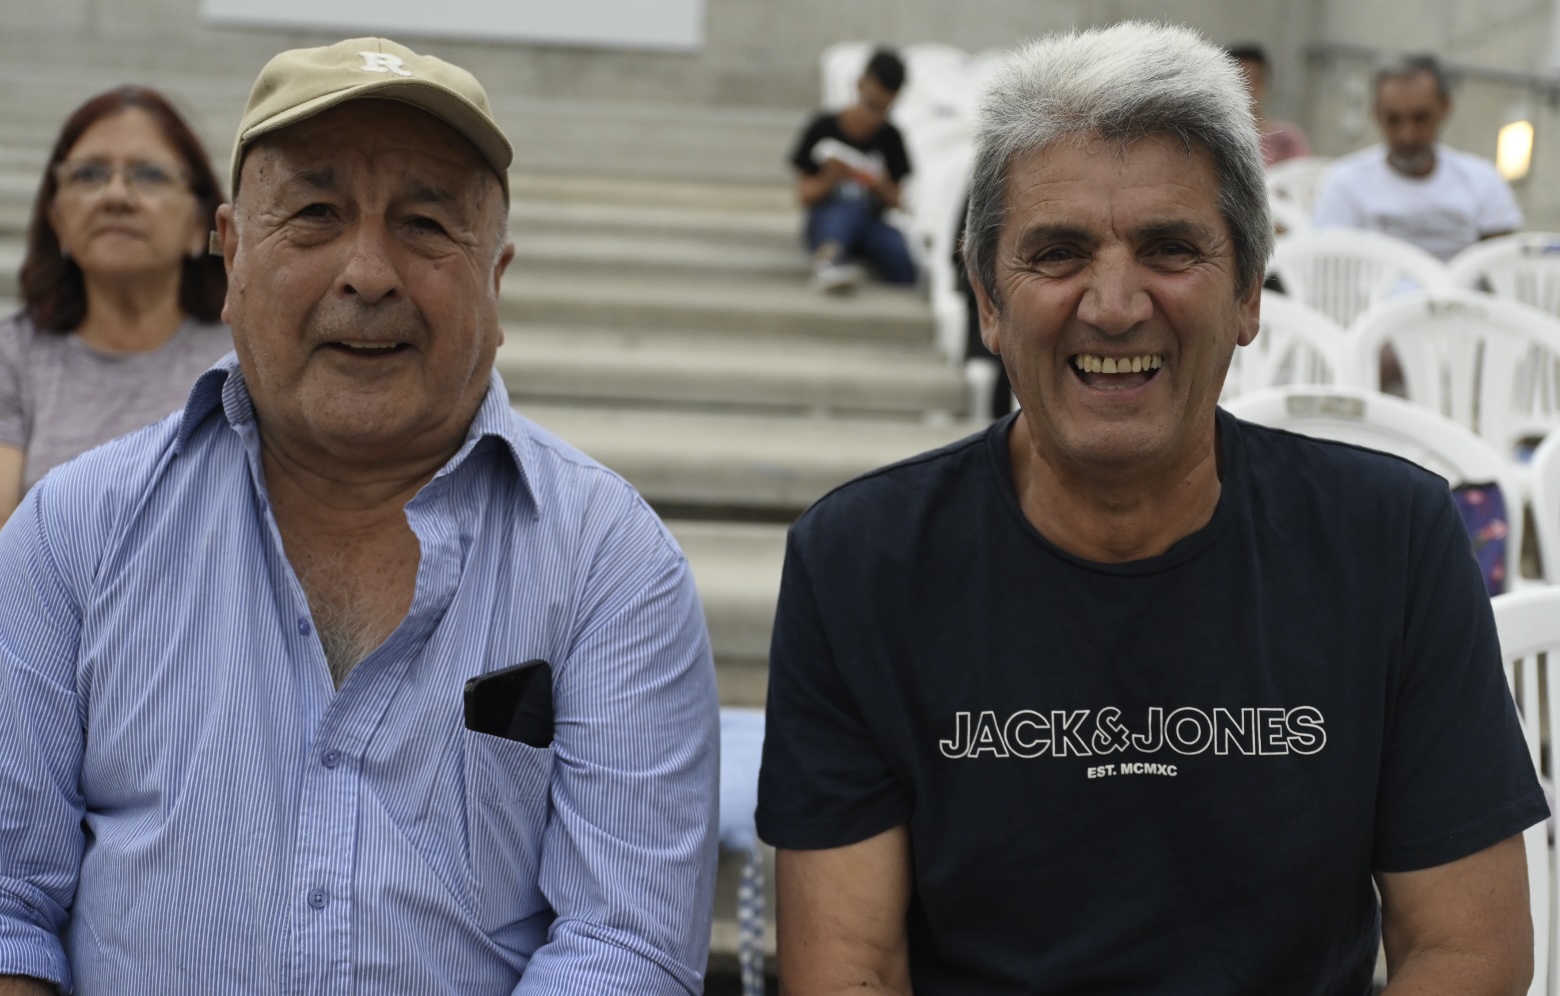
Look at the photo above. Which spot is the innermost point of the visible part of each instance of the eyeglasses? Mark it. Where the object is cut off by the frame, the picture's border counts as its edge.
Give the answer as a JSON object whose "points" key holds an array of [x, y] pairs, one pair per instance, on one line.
{"points": [[84, 177]]}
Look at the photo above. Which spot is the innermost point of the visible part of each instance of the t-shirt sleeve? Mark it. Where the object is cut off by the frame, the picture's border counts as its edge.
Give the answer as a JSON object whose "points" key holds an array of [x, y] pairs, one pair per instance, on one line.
{"points": [[895, 159], [13, 421], [1498, 209], [1456, 776], [823, 782], [801, 156]]}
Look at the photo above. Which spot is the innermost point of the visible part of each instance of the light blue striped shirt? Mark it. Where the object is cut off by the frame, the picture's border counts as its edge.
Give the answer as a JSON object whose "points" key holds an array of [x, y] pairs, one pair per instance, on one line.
{"points": [[187, 804]]}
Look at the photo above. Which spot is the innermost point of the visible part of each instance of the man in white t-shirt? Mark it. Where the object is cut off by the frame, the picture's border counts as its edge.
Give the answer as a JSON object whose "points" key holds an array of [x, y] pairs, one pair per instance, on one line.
{"points": [[1412, 187]]}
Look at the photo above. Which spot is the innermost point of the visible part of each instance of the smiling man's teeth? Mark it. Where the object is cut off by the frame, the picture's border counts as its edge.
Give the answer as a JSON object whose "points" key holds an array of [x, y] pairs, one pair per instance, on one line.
{"points": [[368, 345], [1089, 363]]}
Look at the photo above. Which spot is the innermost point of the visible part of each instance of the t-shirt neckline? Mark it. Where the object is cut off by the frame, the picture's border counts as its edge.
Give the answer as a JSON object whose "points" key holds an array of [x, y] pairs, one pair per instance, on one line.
{"points": [[107, 356], [1182, 551]]}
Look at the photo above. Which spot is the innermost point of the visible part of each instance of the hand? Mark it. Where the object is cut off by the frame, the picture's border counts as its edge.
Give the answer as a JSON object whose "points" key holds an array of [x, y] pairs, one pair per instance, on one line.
{"points": [[835, 170]]}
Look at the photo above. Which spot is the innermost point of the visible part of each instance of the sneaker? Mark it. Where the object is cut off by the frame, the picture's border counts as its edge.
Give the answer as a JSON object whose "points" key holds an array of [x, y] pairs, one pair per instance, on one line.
{"points": [[831, 274], [832, 277]]}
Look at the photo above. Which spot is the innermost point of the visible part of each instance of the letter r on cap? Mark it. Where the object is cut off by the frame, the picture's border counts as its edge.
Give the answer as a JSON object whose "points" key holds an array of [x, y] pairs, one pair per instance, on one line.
{"points": [[382, 62]]}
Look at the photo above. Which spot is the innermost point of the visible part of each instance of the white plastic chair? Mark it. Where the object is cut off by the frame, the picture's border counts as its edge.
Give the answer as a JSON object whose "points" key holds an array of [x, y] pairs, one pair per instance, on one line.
{"points": [[1524, 266], [1402, 428], [1296, 181], [1287, 218], [939, 83], [1342, 271], [1544, 490], [935, 211], [841, 65], [1529, 626], [1475, 358], [1294, 345]]}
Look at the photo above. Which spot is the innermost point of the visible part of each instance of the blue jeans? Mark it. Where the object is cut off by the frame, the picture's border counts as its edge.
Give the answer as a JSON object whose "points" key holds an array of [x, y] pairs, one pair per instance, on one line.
{"points": [[852, 223]]}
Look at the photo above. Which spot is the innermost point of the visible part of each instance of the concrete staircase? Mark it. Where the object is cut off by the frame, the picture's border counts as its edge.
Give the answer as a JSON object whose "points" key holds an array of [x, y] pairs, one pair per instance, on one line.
{"points": [[667, 329], [665, 326]]}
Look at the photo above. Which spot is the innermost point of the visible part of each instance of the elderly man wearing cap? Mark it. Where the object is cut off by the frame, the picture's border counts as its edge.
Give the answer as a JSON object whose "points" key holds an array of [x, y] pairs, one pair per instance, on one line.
{"points": [[346, 678]]}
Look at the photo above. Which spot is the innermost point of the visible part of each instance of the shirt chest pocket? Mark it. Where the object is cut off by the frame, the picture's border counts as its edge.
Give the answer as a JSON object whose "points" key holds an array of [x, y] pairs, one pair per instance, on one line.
{"points": [[507, 809]]}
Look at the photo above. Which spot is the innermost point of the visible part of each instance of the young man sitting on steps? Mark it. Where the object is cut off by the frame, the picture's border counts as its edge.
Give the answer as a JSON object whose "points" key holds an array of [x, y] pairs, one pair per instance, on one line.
{"points": [[849, 167]]}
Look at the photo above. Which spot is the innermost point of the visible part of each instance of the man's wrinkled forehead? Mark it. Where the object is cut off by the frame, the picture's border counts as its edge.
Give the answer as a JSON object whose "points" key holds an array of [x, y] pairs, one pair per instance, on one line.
{"points": [[319, 151]]}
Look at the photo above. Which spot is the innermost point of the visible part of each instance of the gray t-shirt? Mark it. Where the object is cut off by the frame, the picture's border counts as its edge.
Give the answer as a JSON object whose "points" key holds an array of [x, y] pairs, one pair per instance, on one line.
{"points": [[59, 397]]}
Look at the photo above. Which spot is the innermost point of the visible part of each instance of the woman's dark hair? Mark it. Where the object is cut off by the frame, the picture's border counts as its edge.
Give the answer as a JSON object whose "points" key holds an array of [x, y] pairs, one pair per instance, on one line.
{"points": [[54, 294]]}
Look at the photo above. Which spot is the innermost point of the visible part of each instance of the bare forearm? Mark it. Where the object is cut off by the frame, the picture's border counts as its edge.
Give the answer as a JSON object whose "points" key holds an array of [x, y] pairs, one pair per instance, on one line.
{"points": [[1439, 973], [846, 989], [23, 985]]}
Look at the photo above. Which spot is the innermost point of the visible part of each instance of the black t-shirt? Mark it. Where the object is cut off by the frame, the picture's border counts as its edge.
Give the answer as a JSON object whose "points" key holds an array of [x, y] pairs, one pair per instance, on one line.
{"points": [[886, 146], [1171, 775]]}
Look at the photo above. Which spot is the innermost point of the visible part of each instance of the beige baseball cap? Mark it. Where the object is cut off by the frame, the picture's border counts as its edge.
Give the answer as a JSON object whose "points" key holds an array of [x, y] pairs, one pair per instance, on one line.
{"points": [[302, 82]]}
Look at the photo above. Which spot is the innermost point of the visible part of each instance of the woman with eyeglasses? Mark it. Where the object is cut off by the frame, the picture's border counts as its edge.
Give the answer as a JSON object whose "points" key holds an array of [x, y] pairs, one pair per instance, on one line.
{"points": [[121, 302]]}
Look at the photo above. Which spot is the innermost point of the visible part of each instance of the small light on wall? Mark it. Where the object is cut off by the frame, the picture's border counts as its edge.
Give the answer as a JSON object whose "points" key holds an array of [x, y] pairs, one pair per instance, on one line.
{"points": [[1514, 150]]}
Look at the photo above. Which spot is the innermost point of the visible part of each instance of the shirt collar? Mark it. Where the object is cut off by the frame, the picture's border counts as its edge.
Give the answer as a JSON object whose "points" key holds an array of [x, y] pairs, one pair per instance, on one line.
{"points": [[223, 385]]}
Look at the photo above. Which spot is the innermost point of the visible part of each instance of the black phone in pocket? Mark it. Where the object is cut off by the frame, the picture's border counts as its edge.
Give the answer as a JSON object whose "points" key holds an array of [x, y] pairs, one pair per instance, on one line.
{"points": [[514, 703]]}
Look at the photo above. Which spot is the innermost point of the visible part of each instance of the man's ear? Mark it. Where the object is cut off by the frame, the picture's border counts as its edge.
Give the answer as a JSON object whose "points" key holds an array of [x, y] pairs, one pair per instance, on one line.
{"points": [[225, 240], [1249, 311], [505, 257], [987, 311]]}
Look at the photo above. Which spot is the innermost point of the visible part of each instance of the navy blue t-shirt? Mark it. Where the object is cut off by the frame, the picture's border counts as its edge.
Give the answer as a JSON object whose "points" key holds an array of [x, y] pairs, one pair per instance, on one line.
{"points": [[1170, 775]]}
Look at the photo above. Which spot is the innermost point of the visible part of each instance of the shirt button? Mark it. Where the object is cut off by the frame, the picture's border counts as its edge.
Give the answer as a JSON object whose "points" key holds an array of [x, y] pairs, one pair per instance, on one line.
{"points": [[330, 758], [318, 898], [303, 627]]}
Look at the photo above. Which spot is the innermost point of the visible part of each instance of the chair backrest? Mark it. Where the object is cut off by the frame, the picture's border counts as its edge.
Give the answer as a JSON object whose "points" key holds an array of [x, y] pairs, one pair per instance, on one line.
{"points": [[1528, 622], [1544, 482], [1342, 271], [1294, 345], [1487, 363], [1524, 266], [1392, 425], [1288, 218], [939, 82], [936, 213], [842, 64], [1296, 181]]}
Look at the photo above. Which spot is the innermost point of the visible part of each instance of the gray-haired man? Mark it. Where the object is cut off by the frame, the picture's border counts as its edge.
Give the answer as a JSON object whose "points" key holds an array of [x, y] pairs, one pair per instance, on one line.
{"points": [[1124, 695]]}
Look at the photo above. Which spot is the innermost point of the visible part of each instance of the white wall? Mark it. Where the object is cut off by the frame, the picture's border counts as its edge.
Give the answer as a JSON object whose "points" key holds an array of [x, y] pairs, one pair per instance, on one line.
{"points": [[754, 52], [636, 24]]}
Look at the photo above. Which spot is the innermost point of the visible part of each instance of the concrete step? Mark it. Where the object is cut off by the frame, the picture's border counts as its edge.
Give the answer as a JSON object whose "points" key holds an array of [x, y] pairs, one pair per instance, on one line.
{"points": [[608, 255], [762, 218], [768, 229], [643, 138], [717, 369], [18, 187], [11, 253], [638, 192], [736, 566], [743, 307], [775, 465]]}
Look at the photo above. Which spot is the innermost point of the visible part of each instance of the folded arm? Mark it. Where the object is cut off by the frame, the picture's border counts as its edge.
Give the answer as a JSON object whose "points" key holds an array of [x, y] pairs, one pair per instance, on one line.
{"points": [[1462, 927]]}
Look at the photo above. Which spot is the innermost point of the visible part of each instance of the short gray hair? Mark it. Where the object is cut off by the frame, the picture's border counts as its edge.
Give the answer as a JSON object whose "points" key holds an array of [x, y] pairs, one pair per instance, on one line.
{"points": [[1407, 68], [1117, 84]]}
